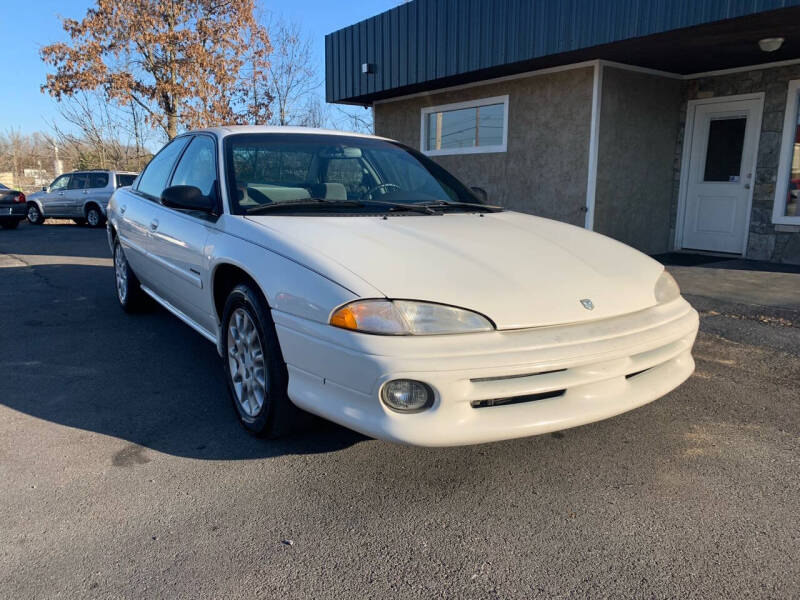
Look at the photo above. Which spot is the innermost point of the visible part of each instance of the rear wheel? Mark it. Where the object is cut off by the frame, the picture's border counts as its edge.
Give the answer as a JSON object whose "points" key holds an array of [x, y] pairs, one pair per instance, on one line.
{"points": [[35, 216], [93, 216], [254, 367], [9, 223], [129, 291]]}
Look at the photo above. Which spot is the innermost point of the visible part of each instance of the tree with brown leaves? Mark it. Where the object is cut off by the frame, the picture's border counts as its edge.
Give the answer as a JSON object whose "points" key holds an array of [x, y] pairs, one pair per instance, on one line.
{"points": [[185, 63]]}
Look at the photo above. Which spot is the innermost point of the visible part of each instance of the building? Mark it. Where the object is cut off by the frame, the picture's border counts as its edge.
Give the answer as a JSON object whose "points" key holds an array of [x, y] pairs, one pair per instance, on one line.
{"points": [[666, 125]]}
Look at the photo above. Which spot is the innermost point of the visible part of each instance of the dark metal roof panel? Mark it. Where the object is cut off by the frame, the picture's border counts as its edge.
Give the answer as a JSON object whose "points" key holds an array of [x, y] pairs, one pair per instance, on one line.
{"points": [[427, 40]]}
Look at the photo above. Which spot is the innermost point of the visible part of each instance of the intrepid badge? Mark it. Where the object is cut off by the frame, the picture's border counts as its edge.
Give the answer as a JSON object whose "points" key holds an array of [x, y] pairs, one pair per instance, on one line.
{"points": [[587, 304]]}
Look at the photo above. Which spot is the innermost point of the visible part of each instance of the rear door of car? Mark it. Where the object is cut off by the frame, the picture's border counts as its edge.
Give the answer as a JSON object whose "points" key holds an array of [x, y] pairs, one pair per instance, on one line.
{"points": [[139, 208], [179, 236], [74, 196], [99, 189]]}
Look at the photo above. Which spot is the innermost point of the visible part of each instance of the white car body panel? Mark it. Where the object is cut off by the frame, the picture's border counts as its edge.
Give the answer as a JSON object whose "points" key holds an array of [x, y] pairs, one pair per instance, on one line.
{"points": [[531, 271], [526, 274]]}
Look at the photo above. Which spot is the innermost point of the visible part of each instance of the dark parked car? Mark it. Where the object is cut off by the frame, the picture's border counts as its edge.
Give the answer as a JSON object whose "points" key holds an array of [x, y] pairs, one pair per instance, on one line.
{"points": [[12, 207]]}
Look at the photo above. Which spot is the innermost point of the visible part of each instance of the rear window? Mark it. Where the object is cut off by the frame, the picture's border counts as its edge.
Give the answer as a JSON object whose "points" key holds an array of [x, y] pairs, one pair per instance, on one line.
{"points": [[98, 180], [123, 180]]}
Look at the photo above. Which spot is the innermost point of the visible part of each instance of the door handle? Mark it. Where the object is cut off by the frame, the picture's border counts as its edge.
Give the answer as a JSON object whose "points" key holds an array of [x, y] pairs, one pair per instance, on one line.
{"points": [[747, 186], [85, 192], [154, 224]]}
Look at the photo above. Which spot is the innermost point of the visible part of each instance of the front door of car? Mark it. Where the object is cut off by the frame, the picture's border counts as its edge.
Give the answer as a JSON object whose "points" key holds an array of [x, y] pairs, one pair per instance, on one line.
{"points": [[179, 236], [54, 200], [138, 207]]}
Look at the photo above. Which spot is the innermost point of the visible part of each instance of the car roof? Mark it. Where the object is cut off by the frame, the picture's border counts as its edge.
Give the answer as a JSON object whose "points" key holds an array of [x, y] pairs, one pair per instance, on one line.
{"points": [[227, 130]]}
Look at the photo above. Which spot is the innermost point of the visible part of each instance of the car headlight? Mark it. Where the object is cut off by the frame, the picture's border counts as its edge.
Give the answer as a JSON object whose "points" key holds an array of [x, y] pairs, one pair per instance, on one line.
{"points": [[407, 317], [666, 288]]}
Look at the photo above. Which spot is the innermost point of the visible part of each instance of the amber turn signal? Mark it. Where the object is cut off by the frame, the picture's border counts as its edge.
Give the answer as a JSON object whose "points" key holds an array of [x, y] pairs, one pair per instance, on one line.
{"points": [[344, 318]]}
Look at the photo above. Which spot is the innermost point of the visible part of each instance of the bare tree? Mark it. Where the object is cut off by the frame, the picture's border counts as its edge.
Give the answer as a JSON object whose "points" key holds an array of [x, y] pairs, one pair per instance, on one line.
{"points": [[354, 118], [100, 134], [292, 78]]}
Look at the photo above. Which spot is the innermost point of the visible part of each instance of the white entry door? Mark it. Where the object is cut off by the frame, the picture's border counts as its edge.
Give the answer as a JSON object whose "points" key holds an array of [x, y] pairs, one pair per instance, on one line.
{"points": [[720, 178]]}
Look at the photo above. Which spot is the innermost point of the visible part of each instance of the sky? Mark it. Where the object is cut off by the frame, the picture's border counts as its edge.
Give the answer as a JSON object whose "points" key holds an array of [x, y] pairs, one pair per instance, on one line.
{"points": [[27, 25]]}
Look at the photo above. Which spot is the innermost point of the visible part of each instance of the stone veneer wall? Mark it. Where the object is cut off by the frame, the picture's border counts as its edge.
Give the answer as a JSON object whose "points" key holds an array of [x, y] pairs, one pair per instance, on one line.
{"points": [[766, 241]]}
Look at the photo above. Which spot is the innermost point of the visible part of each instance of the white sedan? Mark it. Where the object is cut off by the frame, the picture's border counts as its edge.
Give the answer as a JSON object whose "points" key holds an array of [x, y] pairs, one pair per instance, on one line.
{"points": [[356, 279]]}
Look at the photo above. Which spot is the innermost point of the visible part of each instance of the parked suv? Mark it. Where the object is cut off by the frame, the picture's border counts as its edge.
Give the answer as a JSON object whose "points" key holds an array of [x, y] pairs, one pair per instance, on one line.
{"points": [[81, 196]]}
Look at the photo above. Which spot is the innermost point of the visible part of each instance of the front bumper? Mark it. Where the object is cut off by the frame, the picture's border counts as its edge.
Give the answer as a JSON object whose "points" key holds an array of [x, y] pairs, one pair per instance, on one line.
{"points": [[591, 371]]}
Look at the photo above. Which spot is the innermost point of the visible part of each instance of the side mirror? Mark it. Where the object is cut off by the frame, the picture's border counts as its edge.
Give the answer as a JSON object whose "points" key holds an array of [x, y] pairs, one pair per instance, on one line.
{"points": [[44, 188], [480, 193], [186, 197]]}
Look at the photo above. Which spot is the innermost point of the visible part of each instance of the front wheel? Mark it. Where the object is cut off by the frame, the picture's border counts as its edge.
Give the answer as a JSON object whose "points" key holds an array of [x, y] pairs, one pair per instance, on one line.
{"points": [[35, 216], [129, 291], [254, 367], [94, 217]]}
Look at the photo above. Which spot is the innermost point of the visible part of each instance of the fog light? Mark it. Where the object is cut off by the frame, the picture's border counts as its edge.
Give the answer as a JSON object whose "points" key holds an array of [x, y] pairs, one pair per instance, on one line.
{"points": [[407, 395]]}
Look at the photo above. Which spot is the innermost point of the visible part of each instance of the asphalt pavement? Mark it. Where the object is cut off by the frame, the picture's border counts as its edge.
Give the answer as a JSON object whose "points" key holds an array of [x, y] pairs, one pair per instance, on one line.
{"points": [[124, 474]]}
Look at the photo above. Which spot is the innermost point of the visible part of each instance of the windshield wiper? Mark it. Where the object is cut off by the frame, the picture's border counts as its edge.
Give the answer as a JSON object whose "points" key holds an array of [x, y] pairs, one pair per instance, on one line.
{"points": [[480, 207], [303, 202], [422, 208]]}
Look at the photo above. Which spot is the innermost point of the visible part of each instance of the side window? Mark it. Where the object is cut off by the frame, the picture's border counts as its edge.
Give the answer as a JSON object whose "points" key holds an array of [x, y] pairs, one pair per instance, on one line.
{"points": [[124, 180], [155, 176], [78, 181], [98, 180], [198, 166], [60, 183]]}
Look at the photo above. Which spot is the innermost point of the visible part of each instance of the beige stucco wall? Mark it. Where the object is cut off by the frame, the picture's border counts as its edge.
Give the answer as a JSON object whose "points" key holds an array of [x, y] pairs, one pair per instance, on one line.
{"points": [[637, 136], [545, 168]]}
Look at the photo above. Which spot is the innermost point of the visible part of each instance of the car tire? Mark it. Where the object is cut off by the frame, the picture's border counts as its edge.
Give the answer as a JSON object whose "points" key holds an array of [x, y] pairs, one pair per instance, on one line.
{"points": [[129, 291], [254, 367], [35, 216], [80, 222], [94, 217], [9, 223]]}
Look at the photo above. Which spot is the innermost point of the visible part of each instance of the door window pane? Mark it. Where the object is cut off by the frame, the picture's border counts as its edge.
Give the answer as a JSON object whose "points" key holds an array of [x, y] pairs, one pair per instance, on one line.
{"points": [[465, 127], [60, 183], [155, 176], [98, 180], [724, 151], [124, 180], [78, 181], [197, 166], [793, 197]]}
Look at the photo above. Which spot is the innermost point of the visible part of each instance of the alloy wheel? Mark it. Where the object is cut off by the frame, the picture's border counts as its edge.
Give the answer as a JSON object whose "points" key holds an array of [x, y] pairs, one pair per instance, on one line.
{"points": [[92, 217], [121, 272], [246, 363], [33, 214]]}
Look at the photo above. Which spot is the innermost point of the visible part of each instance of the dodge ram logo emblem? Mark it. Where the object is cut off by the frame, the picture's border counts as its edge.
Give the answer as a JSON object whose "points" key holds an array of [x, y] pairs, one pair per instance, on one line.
{"points": [[587, 304]]}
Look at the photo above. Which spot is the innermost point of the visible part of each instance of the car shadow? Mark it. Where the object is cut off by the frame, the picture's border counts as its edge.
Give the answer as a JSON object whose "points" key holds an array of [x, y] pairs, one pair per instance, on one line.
{"points": [[73, 357]]}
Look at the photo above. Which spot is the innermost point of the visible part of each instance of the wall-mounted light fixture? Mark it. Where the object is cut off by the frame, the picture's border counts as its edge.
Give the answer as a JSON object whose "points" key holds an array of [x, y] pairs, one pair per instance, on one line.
{"points": [[367, 68], [770, 44]]}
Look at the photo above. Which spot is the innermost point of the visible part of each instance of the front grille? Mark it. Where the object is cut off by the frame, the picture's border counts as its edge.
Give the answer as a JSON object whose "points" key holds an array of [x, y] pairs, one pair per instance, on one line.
{"points": [[503, 377], [516, 399]]}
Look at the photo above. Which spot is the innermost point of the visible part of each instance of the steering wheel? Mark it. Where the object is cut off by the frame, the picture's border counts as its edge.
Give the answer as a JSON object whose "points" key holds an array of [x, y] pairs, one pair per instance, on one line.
{"points": [[381, 186]]}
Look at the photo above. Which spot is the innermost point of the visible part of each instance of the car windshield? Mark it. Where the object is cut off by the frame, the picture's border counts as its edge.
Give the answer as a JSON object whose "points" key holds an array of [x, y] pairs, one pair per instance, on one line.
{"points": [[331, 174], [2, 187]]}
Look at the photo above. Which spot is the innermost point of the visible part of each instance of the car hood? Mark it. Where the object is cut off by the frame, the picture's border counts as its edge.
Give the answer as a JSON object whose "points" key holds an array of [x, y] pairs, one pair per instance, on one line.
{"points": [[517, 269]]}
